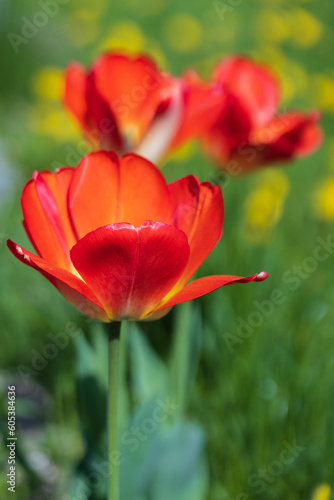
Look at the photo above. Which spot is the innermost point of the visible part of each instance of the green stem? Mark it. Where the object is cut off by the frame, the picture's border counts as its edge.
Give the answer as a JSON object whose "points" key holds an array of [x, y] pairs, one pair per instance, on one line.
{"points": [[113, 408]]}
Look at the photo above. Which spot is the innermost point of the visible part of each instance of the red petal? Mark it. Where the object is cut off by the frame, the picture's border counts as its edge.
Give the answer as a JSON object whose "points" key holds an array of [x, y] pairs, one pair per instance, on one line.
{"points": [[289, 135], [199, 212], [105, 190], [93, 193], [131, 269], [89, 108], [75, 92], [158, 139], [73, 288], [253, 84], [133, 89], [206, 285], [103, 131], [203, 107], [45, 215], [144, 194], [230, 133]]}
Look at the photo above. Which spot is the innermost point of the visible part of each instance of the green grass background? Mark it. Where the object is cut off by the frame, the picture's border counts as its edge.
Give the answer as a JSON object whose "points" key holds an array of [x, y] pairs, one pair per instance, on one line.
{"points": [[277, 385]]}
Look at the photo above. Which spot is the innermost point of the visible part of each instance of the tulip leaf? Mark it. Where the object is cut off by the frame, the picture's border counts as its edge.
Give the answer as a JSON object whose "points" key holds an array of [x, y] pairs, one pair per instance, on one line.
{"points": [[181, 472], [149, 374], [159, 461], [140, 448], [187, 337], [91, 386], [92, 358]]}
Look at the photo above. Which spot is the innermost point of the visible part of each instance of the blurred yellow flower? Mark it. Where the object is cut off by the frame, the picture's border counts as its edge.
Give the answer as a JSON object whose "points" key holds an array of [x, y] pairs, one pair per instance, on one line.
{"points": [[81, 28], [183, 32], [47, 83], [128, 36], [271, 54], [125, 35], [294, 80], [264, 206], [305, 29], [291, 75], [297, 25], [324, 91], [322, 492], [271, 25], [50, 120], [153, 49], [288, 87], [324, 199]]}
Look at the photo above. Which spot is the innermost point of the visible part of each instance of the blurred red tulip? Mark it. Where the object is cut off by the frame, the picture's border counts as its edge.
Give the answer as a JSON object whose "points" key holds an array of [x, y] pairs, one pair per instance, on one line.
{"points": [[248, 134], [127, 105], [117, 241]]}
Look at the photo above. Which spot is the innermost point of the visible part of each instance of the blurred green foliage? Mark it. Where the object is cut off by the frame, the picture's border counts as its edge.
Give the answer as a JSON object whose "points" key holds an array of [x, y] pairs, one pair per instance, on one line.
{"points": [[254, 391]]}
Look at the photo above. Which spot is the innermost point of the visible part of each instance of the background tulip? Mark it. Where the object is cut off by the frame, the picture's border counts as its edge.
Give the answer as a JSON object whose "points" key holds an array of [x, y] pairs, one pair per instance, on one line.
{"points": [[250, 132], [126, 104]]}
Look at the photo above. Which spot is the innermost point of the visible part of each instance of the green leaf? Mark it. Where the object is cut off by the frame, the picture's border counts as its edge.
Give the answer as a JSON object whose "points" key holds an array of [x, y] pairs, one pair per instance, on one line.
{"points": [[181, 473], [141, 445], [92, 358], [91, 386], [162, 462], [149, 374]]}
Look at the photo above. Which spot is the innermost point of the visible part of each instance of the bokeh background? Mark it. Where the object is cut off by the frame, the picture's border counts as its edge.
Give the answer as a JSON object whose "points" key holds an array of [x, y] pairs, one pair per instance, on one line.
{"points": [[251, 395]]}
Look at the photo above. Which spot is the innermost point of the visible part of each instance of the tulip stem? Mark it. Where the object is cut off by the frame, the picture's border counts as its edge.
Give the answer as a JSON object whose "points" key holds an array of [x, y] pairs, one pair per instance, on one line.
{"points": [[113, 408]]}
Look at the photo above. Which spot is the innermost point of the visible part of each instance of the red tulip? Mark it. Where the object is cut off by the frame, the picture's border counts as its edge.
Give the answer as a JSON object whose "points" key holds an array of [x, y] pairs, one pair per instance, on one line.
{"points": [[126, 105], [202, 108], [248, 134], [117, 241]]}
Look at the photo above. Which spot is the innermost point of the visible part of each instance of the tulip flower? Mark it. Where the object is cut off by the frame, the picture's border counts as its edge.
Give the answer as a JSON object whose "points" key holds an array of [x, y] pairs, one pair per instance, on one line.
{"points": [[118, 241], [202, 108], [248, 134], [127, 105]]}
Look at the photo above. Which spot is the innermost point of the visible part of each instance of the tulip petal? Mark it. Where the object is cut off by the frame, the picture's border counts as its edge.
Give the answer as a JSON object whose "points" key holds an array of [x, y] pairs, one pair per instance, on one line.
{"points": [[206, 285], [75, 93], [291, 134], [89, 109], [93, 192], [105, 190], [73, 288], [45, 215], [199, 212], [230, 133], [163, 128], [102, 130], [203, 107], [131, 269], [133, 89], [253, 84], [144, 194]]}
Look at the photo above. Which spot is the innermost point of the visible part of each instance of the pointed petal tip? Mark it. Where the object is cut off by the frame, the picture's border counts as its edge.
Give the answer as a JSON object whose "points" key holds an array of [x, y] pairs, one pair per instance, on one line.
{"points": [[17, 250], [261, 276]]}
